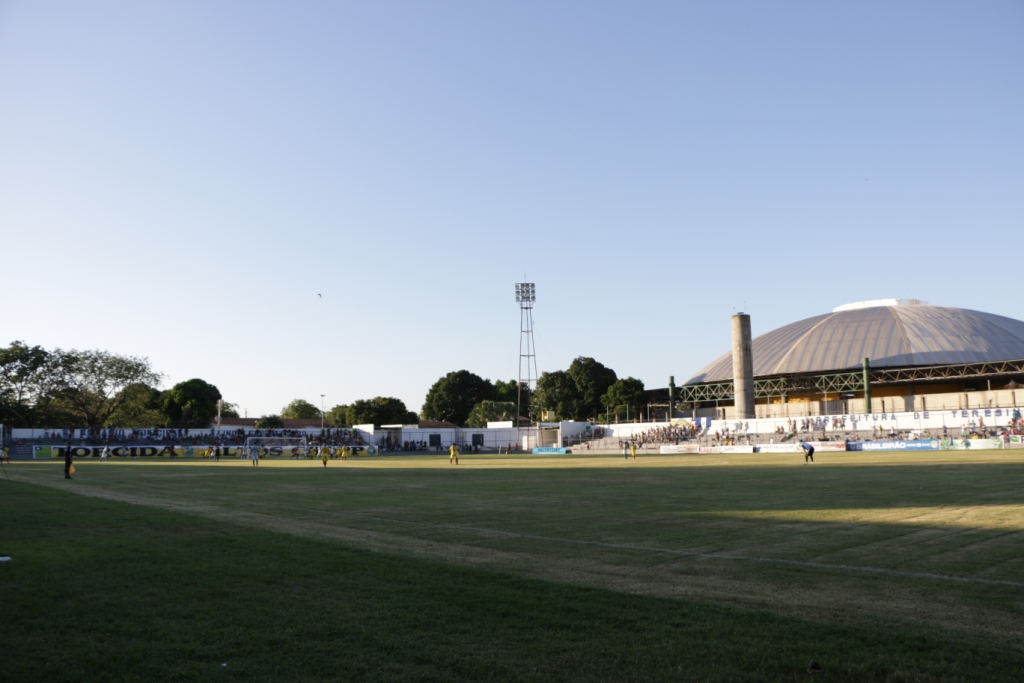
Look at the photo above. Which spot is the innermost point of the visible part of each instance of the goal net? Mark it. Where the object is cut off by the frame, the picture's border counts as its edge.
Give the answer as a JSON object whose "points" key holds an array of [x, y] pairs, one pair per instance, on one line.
{"points": [[275, 446]]}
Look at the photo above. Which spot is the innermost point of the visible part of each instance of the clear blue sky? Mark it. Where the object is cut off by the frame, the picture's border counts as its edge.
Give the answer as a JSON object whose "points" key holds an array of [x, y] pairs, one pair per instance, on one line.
{"points": [[179, 180]]}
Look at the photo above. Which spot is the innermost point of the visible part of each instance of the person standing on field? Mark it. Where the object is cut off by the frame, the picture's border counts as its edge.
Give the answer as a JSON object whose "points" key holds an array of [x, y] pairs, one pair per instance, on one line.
{"points": [[808, 452], [453, 454], [68, 464], [632, 448], [6, 455], [324, 455]]}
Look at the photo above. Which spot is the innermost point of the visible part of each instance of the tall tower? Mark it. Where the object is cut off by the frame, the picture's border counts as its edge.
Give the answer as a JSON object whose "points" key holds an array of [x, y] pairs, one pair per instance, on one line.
{"points": [[526, 294], [742, 367]]}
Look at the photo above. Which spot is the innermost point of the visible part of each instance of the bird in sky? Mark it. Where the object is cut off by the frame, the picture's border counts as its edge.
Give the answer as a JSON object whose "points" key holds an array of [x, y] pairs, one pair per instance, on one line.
{"points": [[320, 295]]}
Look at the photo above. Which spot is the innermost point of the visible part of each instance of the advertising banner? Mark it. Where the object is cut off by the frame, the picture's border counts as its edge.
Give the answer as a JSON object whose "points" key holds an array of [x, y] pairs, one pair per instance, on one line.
{"points": [[678, 448], [735, 449], [551, 450], [780, 448], [970, 444], [903, 445]]}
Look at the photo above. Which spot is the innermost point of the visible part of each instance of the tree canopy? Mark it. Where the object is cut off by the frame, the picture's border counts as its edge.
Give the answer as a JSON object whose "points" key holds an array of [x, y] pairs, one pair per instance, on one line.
{"points": [[26, 384], [625, 392], [337, 416], [592, 380], [300, 410], [190, 404], [491, 411], [90, 384], [140, 407], [454, 395], [575, 394], [557, 391], [381, 410]]}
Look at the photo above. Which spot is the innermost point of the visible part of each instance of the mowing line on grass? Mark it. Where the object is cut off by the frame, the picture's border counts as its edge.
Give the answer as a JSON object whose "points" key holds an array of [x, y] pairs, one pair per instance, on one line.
{"points": [[597, 544]]}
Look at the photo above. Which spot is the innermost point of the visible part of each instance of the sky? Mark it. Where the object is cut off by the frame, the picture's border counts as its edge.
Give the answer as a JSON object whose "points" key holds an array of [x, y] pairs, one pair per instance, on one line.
{"points": [[296, 199]]}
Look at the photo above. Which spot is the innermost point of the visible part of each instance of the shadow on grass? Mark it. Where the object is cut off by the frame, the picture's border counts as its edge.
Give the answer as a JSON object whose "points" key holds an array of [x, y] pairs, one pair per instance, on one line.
{"points": [[100, 589]]}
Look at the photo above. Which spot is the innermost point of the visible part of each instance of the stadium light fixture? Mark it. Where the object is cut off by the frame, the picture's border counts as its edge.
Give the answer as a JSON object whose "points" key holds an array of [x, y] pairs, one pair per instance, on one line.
{"points": [[526, 292]]}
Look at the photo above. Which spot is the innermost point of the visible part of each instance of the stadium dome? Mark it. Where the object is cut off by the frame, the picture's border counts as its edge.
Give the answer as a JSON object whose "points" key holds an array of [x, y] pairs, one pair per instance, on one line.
{"points": [[890, 332]]}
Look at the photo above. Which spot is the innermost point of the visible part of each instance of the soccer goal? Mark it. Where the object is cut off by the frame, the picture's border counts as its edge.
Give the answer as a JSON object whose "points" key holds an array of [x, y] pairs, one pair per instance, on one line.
{"points": [[277, 446]]}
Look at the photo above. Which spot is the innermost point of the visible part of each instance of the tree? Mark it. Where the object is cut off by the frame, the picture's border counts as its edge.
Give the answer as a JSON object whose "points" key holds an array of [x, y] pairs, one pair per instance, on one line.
{"points": [[454, 395], [90, 384], [269, 422], [140, 408], [491, 411], [557, 391], [229, 409], [337, 416], [300, 410], [190, 404], [510, 392], [625, 392], [592, 380], [26, 383], [380, 411]]}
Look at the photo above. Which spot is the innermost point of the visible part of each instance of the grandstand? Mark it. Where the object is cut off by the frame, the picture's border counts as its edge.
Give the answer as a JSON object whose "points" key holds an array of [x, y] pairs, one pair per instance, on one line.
{"points": [[919, 358]]}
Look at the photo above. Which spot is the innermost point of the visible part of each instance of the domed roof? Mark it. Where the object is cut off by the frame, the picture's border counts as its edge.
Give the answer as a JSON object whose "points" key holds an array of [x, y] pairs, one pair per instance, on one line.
{"points": [[890, 332]]}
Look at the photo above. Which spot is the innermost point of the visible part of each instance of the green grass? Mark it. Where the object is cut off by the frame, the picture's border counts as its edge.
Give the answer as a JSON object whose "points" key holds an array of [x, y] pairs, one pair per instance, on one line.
{"points": [[397, 569]]}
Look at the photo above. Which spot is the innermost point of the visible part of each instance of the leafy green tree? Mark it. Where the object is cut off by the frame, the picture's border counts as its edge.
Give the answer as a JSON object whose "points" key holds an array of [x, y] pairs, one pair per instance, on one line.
{"points": [[557, 391], [509, 392], [454, 395], [140, 408], [381, 410], [269, 422], [337, 416], [575, 394], [592, 381], [90, 384], [27, 384], [229, 409], [625, 392], [491, 411], [190, 404], [300, 410]]}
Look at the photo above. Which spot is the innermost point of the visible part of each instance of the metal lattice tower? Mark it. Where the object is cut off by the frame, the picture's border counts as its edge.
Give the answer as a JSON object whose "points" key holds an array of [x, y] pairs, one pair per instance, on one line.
{"points": [[526, 295]]}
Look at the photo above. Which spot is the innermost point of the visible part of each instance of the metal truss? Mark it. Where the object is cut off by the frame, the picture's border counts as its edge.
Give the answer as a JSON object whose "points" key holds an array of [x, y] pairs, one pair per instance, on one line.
{"points": [[943, 372], [849, 381]]}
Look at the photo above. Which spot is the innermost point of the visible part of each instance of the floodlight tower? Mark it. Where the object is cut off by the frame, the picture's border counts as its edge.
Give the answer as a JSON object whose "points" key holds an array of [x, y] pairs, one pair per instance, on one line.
{"points": [[526, 295]]}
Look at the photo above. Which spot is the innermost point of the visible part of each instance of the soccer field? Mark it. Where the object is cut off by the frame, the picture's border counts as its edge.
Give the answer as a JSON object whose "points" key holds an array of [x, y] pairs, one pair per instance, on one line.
{"points": [[878, 566]]}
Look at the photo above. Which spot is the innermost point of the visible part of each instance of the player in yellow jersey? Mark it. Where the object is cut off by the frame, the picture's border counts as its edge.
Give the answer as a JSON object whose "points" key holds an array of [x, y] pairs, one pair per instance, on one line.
{"points": [[632, 449], [454, 454], [344, 452], [324, 454]]}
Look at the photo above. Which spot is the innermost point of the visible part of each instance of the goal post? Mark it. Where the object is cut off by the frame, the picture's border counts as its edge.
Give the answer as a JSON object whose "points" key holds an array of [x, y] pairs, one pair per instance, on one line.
{"points": [[275, 446]]}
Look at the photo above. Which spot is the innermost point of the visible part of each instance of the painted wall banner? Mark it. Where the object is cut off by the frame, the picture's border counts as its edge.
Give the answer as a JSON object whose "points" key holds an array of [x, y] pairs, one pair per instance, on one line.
{"points": [[551, 450], [46, 452], [780, 448], [905, 445], [678, 448], [708, 449], [828, 446], [735, 449], [971, 444]]}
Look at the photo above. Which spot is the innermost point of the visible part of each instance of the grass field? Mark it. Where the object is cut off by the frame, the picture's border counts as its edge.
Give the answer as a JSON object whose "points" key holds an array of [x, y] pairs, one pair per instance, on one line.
{"points": [[902, 567]]}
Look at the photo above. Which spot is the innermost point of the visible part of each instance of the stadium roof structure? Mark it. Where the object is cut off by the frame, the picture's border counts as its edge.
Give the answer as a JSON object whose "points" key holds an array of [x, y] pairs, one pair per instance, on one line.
{"points": [[906, 340]]}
